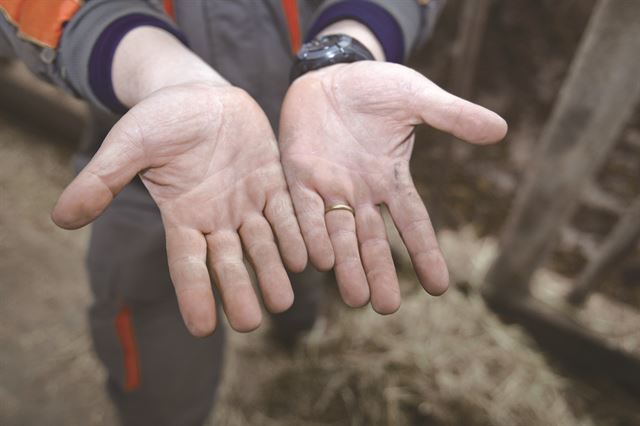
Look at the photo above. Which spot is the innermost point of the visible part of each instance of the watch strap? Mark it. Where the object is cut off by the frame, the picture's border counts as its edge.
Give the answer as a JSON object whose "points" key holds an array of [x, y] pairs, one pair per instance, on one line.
{"points": [[328, 50]]}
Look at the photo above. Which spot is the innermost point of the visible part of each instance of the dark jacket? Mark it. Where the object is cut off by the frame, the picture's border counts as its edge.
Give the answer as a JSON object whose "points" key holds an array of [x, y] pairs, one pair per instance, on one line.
{"points": [[246, 41]]}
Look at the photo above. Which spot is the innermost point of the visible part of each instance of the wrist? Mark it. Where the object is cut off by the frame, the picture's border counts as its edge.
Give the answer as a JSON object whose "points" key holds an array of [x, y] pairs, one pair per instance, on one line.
{"points": [[149, 58], [358, 31], [377, 27]]}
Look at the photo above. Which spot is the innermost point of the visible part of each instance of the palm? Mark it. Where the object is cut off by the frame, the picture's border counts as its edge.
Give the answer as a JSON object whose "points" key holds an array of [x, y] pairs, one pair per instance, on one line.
{"points": [[205, 159], [362, 136], [346, 137], [209, 159]]}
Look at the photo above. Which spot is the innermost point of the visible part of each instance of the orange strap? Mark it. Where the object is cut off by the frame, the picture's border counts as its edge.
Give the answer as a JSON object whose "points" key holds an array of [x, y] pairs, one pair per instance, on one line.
{"points": [[293, 23], [124, 328], [39, 21]]}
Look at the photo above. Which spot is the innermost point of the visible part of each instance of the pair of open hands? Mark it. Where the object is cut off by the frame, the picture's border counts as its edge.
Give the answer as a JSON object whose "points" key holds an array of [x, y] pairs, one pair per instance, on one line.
{"points": [[210, 160]]}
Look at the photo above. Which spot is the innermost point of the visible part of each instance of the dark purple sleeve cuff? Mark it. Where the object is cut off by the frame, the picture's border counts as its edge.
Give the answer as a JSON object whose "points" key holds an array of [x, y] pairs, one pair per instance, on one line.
{"points": [[104, 49], [380, 22]]}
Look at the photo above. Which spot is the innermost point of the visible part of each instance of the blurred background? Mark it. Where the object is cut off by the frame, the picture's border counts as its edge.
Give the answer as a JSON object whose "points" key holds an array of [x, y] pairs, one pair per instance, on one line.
{"points": [[541, 325]]}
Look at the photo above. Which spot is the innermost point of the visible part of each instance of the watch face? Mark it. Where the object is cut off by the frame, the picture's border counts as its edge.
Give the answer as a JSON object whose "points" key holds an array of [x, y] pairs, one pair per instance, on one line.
{"points": [[326, 48]]}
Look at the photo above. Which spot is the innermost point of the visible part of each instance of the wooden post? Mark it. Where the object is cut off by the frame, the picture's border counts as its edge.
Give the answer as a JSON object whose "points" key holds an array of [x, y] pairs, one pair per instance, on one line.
{"points": [[472, 23], [620, 240], [596, 100], [471, 28]]}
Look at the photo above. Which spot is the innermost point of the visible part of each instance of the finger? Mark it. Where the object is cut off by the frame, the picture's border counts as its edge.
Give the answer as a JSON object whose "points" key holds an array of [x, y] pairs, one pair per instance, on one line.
{"points": [[115, 164], [412, 220], [279, 212], [309, 209], [377, 260], [238, 298], [273, 279], [463, 119], [351, 278], [186, 253]]}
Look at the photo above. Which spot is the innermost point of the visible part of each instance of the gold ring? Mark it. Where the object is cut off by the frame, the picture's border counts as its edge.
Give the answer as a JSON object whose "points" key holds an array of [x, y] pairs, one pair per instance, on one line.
{"points": [[340, 207]]}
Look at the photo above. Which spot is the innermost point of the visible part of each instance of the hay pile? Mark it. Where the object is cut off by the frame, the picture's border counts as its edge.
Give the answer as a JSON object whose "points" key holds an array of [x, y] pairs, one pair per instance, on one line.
{"points": [[438, 361]]}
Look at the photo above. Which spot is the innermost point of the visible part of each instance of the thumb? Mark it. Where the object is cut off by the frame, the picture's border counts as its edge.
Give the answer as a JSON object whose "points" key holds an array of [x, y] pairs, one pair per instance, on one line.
{"points": [[116, 163], [463, 119]]}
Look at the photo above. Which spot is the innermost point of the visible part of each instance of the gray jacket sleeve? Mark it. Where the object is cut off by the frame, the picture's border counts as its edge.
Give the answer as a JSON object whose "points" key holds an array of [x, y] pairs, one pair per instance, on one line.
{"points": [[6, 50], [68, 65], [417, 18]]}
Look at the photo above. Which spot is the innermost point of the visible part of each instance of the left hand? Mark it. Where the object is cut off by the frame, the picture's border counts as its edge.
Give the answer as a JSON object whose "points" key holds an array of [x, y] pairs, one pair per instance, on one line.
{"points": [[346, 137]]}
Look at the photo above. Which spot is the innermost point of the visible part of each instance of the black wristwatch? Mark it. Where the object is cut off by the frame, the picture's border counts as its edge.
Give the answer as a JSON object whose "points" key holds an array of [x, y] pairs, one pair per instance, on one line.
{"points": [[328, 50]]}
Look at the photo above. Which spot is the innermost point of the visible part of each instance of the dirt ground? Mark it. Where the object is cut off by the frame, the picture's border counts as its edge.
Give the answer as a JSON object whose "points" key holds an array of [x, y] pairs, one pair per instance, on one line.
{"points": [[438, 361], [48, 375]]}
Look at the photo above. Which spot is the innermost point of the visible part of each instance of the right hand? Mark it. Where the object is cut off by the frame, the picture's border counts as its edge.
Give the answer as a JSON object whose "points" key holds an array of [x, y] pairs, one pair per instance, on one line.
{"points": [[209, 159]]}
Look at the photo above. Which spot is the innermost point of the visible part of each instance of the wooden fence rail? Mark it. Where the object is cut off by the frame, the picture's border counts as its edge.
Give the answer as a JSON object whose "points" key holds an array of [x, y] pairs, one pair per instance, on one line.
{"points": [[596, 101]]}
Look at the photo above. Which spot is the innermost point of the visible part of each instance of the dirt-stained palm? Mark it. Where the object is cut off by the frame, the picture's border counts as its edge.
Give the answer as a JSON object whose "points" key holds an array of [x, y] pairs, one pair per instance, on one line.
{"points": [[209, 159], [346, 136]]}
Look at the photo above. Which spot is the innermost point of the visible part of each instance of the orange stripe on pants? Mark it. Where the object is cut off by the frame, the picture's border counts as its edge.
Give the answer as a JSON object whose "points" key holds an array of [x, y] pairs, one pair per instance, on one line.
{"points": [[293, 23], [124, 328]]}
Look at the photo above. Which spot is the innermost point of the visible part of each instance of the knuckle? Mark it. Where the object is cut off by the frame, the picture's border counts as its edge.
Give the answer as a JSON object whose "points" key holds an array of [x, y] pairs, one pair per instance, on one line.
{"points": [[341, 234], [187, 261], [430, 256], [347, 262], [379, 274], [379, 243], [416, 226], [316, 233], [262, 249], [229, 270]]}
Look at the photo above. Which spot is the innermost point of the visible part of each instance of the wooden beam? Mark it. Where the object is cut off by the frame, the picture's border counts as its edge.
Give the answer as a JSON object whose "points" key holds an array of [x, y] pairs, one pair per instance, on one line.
{"points": [[622, 239], [596, 101], [472, 23], [562, 336]]}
